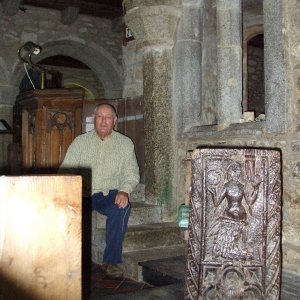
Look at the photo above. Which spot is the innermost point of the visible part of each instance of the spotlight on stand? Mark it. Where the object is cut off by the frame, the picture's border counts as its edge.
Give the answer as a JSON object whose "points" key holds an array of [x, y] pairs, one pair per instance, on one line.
{"points": [[25, 53], [32, 48], [27, 50]]}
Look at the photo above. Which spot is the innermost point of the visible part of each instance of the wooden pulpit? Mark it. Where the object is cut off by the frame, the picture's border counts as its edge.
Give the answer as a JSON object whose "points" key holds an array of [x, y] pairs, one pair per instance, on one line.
{"points": [[51, 119]]}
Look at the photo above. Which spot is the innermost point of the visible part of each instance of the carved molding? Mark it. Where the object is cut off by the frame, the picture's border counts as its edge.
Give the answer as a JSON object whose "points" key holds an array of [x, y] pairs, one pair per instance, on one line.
{"points": [[60, 120], [152, 23]]}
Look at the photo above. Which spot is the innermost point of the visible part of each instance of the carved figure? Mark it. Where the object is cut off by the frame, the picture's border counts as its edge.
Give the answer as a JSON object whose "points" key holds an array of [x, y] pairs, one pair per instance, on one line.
{"points": [[231, 225], [233, 249]]}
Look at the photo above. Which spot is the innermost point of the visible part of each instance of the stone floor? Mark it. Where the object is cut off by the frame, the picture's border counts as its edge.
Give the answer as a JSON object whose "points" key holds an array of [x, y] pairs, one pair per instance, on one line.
{"points": [[165, 281]]}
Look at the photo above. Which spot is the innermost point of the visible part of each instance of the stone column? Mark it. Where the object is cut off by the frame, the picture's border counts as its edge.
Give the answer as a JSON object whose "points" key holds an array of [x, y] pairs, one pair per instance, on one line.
{"points": [[274, 62], [188, 59], [229, 35], [153, 26]]}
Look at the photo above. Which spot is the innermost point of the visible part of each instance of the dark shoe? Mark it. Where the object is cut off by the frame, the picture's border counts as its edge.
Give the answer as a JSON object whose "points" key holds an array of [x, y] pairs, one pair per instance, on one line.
{"points": [[112, 270]]}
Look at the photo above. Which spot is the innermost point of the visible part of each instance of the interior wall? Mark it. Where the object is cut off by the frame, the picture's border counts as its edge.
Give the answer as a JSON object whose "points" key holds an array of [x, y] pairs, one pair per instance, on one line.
{"points": [[281, 128]]}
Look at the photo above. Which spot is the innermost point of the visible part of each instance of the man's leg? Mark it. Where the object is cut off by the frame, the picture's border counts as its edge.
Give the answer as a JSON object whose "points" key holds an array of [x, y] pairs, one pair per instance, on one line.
{"points": [[116, 225]]}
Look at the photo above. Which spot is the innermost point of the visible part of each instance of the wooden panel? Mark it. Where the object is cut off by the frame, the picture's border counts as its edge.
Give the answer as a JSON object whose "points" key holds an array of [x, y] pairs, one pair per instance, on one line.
{"points": [[51, 119], [40, 237], [235, 225]]}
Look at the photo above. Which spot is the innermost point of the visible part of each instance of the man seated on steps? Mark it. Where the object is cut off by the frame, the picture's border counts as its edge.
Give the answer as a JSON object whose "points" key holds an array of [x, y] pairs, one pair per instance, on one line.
{"points": [[111, 158]]}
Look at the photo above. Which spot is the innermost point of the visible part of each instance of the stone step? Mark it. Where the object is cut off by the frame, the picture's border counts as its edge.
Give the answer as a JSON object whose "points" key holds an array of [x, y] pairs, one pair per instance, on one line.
{"points": [[144, 236], [141, 213], [173, 291], [132, 260], [163, 271]]}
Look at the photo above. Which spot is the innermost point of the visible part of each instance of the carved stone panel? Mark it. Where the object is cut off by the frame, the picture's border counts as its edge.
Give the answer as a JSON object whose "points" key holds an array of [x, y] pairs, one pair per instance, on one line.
{"points": [[233, 247]]}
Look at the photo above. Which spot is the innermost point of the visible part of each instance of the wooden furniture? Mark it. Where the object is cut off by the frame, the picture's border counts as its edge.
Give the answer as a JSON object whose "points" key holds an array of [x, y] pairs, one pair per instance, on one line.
{"points": [[234, 245], [40, 237], [51, 119]]}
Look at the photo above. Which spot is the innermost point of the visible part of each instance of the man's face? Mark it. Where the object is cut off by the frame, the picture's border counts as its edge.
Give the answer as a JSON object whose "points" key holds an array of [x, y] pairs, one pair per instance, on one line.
{"points": [[104, 121]]}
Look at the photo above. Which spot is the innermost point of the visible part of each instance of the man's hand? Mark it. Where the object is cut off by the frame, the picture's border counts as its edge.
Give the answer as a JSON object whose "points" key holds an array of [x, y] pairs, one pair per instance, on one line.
{"points": [[122, 199]]}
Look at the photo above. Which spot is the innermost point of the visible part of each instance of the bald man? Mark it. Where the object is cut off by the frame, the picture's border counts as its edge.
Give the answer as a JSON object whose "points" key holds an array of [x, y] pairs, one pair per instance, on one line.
{"points": [[111, 158]]}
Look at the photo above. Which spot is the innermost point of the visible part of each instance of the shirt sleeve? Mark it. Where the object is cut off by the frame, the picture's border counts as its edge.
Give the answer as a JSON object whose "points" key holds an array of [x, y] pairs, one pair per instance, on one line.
{"points": [[131, 176]]}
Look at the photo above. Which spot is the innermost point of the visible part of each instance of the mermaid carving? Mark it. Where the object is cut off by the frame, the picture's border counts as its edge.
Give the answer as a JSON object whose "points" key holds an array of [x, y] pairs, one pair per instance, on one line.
{"points": [[230, 237]]}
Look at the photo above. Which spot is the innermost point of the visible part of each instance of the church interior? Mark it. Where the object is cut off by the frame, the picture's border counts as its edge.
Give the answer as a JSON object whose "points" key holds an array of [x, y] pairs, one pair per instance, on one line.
{"points": [[183, 75]]}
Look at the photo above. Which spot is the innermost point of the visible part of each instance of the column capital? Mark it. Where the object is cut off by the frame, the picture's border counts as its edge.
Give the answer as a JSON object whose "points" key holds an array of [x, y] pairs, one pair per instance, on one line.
{"points": [[153, 22]]}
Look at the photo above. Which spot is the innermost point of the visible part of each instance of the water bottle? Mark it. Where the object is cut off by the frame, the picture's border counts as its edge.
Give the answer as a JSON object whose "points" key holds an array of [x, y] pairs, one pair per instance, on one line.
{"points": [[183, 216]]}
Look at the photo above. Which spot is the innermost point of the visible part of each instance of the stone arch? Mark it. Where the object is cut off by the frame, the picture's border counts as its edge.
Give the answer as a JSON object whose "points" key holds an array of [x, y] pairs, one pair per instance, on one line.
{"points": [[70, 81], [99, 60], [252, 31]]}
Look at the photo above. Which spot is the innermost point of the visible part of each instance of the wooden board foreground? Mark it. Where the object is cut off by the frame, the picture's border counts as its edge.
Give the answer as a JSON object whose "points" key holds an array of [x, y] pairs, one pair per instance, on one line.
{"points": [[40, 237]]}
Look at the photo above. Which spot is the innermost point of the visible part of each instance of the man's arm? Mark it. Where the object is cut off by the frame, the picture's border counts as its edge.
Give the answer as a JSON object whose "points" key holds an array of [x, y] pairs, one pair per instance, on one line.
{"points": [[130, 174], [130, 179]]}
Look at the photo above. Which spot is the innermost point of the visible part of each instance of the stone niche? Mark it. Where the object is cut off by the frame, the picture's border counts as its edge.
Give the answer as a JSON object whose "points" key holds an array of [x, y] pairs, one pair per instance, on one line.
{"points": [[233, 249]]}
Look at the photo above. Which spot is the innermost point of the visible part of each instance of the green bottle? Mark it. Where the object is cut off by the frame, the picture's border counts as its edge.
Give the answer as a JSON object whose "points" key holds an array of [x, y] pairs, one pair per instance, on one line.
{"points": [[183, 216]]}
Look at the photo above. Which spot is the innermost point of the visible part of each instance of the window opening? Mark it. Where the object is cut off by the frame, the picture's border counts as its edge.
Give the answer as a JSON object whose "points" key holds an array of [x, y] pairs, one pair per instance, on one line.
{"points": [[255, 75]]}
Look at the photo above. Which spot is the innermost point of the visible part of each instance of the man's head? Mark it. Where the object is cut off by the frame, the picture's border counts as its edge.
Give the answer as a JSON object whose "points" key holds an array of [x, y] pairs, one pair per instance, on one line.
{"points": [[105, 118]]}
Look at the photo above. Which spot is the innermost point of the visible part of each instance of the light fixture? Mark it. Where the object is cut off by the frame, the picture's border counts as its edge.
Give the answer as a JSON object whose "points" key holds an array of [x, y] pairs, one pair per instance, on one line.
{"points": [[32, 48], [27, 50], [25, 53]]}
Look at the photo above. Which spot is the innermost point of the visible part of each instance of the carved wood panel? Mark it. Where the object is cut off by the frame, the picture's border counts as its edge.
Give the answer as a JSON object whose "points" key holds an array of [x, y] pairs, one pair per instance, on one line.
{"points": [[233, 248], [51, 119]]}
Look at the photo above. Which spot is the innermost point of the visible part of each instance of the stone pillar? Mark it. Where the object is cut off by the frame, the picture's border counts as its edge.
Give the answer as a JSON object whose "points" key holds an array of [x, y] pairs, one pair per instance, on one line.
{"points": [[229, 35], [188, 59], [153, 27], [274, 63]]}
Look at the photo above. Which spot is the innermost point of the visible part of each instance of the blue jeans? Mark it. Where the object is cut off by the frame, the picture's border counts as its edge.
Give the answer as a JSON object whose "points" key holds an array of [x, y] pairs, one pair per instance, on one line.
{"points": [[116, 224]]}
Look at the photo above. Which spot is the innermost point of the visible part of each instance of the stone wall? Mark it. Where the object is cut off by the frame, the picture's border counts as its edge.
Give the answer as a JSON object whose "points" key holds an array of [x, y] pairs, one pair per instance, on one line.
{"points": [[291, 172], [261, 134], [87, 35], [253, 135]]}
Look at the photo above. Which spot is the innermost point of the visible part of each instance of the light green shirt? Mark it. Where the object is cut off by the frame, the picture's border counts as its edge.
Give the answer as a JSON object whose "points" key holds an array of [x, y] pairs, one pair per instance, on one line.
{"points": [[111, 162]]}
